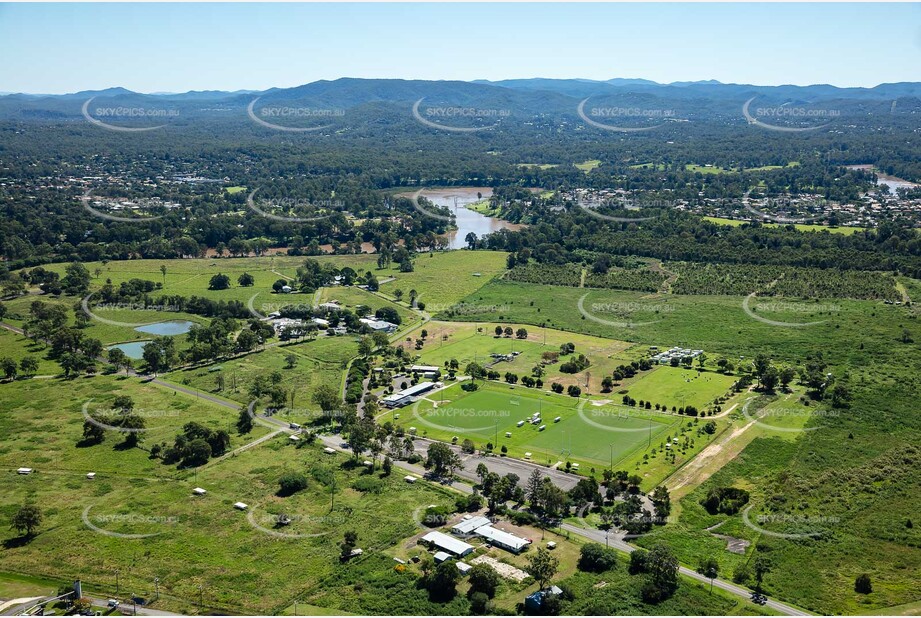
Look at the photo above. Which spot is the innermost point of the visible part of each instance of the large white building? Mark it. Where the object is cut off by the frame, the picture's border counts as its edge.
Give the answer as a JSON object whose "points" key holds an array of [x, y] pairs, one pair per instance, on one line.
{"points": [[500, 538], [406, 396], [447, 543]]}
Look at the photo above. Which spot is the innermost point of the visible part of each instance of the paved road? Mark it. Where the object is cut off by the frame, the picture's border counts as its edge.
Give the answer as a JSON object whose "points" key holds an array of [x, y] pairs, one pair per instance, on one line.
{"points": [[127, 608], [500, 465], [614, 541], [592, 534]]}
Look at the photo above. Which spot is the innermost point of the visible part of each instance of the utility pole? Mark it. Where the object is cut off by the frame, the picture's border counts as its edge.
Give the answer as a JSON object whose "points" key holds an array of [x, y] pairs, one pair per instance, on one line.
{"points": [[157, 584], [200, 597], [117, 571]]}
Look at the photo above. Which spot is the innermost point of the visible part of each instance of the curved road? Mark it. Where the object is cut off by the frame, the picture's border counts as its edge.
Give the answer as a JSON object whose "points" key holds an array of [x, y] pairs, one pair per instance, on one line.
{"points": [[501, 466]]}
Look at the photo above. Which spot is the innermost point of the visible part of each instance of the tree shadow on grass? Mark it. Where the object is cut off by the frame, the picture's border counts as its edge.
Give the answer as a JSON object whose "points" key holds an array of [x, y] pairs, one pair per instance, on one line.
{"points": [[17, 541]]}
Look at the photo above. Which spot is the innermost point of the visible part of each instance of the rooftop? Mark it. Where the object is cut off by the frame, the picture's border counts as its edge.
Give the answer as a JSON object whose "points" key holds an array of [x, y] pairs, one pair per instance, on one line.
{"points": [[448, 543]]}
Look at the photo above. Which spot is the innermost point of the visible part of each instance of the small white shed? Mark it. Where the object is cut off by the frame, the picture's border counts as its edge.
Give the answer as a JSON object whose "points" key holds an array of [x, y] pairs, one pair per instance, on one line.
{"points": [[240, 505], [198, 491]]}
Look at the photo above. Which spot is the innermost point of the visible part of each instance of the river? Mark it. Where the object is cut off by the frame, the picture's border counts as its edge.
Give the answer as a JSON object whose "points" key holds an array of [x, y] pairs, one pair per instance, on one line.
{"points": [[467, 220], [892, 182]]}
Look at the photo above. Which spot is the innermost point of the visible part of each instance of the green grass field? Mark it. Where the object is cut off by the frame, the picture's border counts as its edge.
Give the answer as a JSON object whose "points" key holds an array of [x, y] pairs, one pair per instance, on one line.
{"points": [[321, 361], [672, 386], [542, 166], [443, 279], [591, 434], [856, 469], [468, 342], [803, 227], [196, 537], [588, 165]]}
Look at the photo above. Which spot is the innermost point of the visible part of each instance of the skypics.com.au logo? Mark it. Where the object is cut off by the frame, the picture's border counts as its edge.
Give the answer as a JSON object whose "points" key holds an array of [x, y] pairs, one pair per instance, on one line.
{"points": [[123, 420], [625, 114], [124, 113], [622, 309], [437, 117], [621, 415], [308, 526], [767, 117], [628, 204], [807, 526], [268, 116], [93, 314], [93, 205], [784, 204], [297, 210], [101, 524], [781, 412], [786, 307], [428, 213]]}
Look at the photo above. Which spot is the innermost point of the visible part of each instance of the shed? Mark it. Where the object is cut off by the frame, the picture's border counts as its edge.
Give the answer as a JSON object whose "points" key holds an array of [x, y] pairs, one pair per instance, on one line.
{"points": [[91, 475], [240, 505], [469, 526], [294, 439], [441, 557], [409, 478], [329, 451], [503, 539], [463, 567], [198, 491], [24, 471], [443, 542]]}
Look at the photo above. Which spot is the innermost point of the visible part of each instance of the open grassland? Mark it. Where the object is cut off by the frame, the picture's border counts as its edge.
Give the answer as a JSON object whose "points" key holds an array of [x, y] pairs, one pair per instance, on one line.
{"points": [[672, 386], [803, 227], [352, 297], [541, 166], [588, 165], [193, 539], [317, 362], [712, 169], [17, 347], [856, 334], [854, 474], [42, 428], [443, 279], [190, 277], [469, 342], [596, 434]]}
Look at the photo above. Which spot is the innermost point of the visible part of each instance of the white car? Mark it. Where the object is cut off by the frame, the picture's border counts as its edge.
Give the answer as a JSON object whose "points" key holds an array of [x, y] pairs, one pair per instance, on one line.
{"points": [[113, 603]]}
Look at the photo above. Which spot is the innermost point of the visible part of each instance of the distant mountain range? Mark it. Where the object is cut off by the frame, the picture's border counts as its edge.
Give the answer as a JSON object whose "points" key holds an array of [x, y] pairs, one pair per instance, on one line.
{"points": [[390, 88], [527, 97]]}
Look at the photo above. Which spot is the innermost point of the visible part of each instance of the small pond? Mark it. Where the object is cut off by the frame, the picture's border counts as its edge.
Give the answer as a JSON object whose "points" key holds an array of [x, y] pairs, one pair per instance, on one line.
{"points": [[132, 349], [175, 327]]}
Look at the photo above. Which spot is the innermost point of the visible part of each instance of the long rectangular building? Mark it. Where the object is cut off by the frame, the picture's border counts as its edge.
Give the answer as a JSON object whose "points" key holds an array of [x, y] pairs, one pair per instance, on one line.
{"points": [[447, 543], [503, 539]]}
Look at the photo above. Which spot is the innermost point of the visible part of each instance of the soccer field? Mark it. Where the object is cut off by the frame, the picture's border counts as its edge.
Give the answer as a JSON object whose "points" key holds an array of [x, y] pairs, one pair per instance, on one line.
{"points": [[673, 386], [587, 433]]}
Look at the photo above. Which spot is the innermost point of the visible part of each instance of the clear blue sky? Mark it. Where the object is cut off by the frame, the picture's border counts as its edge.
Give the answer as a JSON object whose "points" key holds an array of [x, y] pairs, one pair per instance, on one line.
{"points": [[56, 48]]}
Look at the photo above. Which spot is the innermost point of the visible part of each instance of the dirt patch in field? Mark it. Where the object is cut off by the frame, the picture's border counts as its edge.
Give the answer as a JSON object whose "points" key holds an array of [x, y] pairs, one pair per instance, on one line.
{"points": [[505, 570]]}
